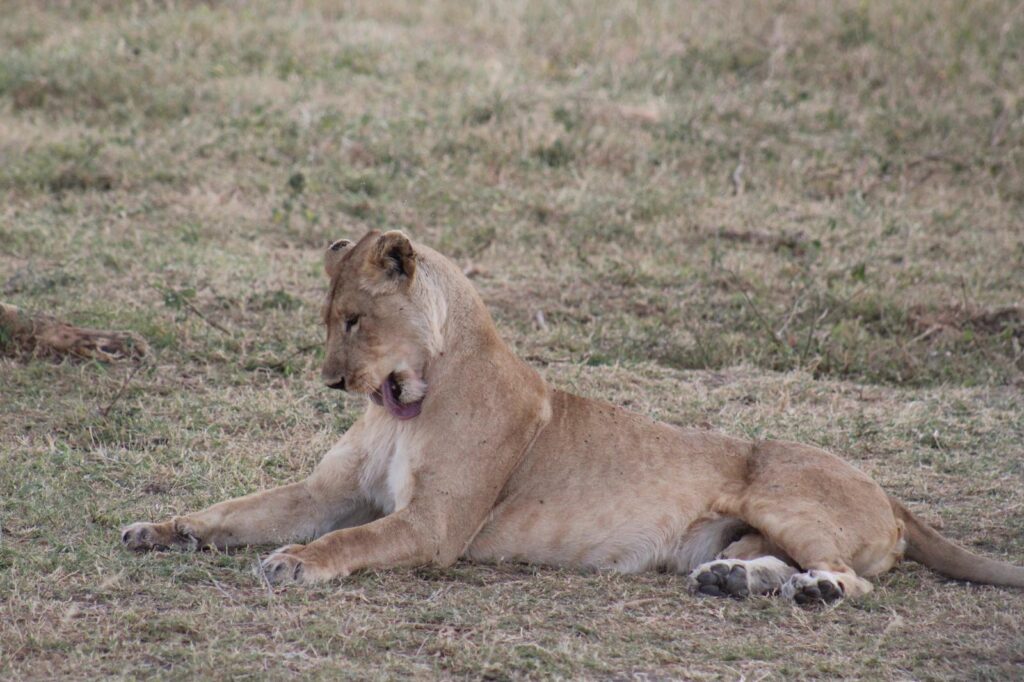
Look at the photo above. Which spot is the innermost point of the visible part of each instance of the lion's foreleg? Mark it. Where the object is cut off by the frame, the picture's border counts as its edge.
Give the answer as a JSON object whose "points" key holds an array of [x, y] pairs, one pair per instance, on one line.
{"points": [[328, 499], [282, 514], [401, 539]]}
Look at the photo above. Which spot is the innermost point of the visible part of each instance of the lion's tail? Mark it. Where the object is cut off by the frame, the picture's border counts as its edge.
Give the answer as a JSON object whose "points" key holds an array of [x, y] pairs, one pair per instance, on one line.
{"points": [[925, 545]]}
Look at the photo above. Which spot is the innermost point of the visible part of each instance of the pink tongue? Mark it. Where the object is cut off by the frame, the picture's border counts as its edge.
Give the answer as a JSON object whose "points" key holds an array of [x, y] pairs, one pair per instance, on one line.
{"points": [[397, 409]]}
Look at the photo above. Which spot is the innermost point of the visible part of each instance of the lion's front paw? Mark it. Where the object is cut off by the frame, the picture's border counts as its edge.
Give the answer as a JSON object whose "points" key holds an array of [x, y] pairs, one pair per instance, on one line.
{"points": [[143, 536], [288, 564]]}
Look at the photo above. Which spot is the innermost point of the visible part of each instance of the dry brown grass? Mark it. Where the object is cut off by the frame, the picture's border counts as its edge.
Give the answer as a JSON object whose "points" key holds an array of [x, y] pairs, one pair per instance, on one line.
{"points": [[798, 220]]}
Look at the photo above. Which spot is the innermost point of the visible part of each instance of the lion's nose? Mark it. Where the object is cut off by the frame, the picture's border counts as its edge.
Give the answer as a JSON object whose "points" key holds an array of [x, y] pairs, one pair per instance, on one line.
{"points": [[338, 385]]}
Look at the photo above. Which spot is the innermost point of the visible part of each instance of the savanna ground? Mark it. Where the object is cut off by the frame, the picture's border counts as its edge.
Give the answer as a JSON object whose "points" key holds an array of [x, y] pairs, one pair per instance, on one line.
{"points": [[792, 219]]}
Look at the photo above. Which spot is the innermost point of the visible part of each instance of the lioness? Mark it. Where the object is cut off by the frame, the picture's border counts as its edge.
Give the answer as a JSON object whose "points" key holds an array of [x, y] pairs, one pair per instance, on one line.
{"points": [[465, 451]]}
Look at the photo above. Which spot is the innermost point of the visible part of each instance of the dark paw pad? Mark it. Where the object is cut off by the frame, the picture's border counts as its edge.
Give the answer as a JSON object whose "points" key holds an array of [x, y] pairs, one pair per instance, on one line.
{"points": [[723, 580], [821, 591]]}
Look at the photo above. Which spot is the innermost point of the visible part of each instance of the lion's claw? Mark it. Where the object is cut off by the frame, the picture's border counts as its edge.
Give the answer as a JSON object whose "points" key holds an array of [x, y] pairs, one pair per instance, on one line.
{"points": [[284, 566], [143, 536], [296, 564]]}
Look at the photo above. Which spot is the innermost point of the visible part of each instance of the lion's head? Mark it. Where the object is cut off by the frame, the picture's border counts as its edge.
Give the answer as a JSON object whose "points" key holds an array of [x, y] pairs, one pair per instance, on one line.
{"points": [[380, 331]]}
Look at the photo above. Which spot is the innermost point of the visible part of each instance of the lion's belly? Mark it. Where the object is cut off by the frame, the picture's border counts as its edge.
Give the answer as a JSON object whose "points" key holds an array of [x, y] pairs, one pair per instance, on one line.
{"points": [[547, 532], [603, 488]]}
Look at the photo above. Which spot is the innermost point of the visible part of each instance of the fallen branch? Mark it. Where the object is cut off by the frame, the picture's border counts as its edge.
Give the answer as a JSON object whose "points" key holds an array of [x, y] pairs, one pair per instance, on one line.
{"points": [[46, 335]]}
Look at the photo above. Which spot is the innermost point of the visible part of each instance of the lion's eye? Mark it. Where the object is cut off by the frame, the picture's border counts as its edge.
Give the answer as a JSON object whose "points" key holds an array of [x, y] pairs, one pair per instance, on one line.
{"points": [[350, 322]]}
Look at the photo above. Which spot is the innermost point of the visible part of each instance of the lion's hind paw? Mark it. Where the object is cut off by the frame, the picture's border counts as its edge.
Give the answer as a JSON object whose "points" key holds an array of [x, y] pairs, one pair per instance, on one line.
{"points": [[814, 587], [740, 578]]}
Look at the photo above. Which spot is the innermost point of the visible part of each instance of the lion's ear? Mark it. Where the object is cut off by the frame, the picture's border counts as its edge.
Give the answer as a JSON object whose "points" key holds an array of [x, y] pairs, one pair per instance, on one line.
{"points": [[394, 258], [332, 257]]}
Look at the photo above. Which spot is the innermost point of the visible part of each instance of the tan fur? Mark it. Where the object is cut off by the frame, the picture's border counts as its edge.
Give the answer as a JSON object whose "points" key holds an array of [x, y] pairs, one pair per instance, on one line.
{"points": [[499, 466]]}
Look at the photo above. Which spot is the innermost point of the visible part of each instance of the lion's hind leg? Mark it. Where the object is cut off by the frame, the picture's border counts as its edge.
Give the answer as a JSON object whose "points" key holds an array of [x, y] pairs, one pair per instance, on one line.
{"points": [[754, 566], [831, 520]]}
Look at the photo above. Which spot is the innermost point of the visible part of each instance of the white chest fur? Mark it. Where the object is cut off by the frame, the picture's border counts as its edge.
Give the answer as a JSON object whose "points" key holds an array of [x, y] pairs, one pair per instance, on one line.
{"points": [[386, 476]]}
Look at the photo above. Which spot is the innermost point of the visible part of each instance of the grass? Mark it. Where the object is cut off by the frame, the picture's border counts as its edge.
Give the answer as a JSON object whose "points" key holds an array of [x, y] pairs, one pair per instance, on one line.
{"points": [[792, 220]]}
